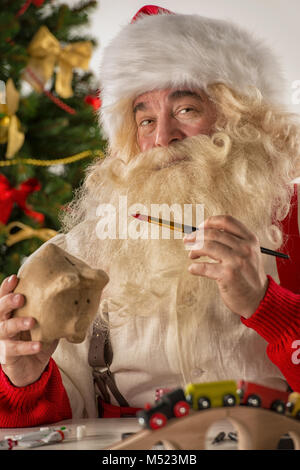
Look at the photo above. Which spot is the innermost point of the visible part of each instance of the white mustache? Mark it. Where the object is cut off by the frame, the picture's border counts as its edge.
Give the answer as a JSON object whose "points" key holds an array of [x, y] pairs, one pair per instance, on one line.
{"points": [[164, 157], [174, 160]]}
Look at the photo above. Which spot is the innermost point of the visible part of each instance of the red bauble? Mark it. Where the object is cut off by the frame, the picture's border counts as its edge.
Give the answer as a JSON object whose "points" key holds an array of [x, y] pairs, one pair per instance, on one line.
{"points": [[93, 101]]}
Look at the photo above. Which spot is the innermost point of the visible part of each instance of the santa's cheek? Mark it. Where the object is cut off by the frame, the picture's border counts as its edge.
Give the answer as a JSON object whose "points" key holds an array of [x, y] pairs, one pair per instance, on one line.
{"points": [[196, 128]]}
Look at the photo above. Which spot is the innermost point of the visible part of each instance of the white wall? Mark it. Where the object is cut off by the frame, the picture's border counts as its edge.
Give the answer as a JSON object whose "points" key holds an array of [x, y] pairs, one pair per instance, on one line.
{"points": [[277, 21]]}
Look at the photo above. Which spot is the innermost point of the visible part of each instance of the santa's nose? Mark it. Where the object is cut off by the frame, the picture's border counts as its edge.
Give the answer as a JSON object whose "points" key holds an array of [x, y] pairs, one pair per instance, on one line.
{"points": [[167, 131]]}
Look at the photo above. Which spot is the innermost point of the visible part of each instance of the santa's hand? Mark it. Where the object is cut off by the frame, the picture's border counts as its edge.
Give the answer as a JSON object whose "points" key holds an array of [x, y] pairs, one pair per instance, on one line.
{"points": [[23, 362], [238, 269]]}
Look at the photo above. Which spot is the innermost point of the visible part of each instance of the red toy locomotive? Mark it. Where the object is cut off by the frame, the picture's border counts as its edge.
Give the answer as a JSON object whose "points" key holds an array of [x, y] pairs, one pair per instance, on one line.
{"points": [[170, 405]]}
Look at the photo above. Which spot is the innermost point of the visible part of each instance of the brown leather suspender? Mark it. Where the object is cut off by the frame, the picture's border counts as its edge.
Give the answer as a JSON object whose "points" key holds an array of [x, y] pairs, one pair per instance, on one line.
{"points": [[100, 358]]}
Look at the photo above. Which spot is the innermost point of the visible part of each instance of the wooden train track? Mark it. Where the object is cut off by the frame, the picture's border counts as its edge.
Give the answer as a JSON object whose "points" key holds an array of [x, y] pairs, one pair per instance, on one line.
{"points": [[257, 428]]}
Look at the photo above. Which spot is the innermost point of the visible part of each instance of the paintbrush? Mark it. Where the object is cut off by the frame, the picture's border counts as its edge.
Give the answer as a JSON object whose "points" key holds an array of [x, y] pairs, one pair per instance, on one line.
{"points": [[189, 229]]}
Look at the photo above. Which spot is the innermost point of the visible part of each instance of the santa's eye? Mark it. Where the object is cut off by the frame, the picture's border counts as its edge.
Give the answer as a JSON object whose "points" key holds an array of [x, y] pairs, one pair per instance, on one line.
{"points": [[186, 110], [145, 122]]}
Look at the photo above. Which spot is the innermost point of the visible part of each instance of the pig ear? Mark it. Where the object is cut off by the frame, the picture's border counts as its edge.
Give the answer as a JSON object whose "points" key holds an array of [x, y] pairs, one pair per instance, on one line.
{"points": [[94, 274], [63, 282]]}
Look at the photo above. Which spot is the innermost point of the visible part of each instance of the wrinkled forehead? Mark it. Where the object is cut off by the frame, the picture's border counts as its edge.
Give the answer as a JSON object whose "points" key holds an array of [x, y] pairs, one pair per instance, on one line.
{"points": [[167, 95]]}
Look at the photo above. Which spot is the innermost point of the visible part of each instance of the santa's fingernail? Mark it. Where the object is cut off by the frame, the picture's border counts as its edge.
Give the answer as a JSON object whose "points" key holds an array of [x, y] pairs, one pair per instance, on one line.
{"points": [[16, 299]]}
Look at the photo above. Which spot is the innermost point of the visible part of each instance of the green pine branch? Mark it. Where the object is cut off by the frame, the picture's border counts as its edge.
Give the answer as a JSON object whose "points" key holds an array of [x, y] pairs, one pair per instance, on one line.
{"points": [[50, 132]]}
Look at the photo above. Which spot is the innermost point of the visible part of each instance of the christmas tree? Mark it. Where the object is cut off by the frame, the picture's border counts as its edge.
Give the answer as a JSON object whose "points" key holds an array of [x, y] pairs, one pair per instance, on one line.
{"points": [[48, 126]]}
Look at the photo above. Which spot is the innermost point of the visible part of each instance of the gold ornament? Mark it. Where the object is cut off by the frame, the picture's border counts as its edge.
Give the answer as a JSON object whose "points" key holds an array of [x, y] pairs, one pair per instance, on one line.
{"points": [[26, 232], [57, 161], [4, 125], [10, 126], [45, 52], [5, 121]]}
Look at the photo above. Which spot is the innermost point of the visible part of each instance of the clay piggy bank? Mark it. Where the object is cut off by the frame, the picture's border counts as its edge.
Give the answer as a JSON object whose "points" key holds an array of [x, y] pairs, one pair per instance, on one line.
{"points": [[61, 292]]}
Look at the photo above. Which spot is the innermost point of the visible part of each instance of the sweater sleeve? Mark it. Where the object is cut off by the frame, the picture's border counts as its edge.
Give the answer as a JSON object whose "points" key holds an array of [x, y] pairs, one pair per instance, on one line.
{"points": [[277, 320], [43, 402]]}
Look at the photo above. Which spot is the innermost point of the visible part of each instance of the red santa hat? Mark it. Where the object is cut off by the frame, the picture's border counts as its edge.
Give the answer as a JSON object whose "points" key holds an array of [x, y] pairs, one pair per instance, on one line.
{"points": [[160, 49]]}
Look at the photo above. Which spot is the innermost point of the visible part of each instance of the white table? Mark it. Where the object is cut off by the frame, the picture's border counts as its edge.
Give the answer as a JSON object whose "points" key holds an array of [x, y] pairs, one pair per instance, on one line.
{"points": [[102, 433]]}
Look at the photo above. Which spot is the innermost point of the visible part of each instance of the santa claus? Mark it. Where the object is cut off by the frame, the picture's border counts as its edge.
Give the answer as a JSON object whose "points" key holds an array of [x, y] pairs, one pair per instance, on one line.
{"points": [[193, 111]]}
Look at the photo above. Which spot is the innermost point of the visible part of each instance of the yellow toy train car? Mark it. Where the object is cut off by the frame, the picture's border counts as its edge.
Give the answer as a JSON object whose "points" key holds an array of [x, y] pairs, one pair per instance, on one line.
{"points": [[212, 394], [293, 405], [176, 403]]}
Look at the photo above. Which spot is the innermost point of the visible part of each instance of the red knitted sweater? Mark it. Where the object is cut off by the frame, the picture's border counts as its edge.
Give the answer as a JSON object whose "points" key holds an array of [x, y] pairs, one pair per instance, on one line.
{"points": [[277, 320]]}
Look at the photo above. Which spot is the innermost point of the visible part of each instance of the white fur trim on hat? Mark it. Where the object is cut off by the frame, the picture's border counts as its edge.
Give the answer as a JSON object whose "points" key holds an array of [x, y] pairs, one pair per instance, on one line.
{"points": [[171, 50]]}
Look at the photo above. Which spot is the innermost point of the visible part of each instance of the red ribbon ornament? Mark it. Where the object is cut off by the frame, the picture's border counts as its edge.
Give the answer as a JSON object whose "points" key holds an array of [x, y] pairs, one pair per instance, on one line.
{"points": [[9, 196], [37, 3], [23, 9]]}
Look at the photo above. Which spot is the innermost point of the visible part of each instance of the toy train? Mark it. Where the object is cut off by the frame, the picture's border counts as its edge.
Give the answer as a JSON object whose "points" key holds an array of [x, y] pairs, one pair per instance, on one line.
{"points": [[293, 405], [201, 396]]}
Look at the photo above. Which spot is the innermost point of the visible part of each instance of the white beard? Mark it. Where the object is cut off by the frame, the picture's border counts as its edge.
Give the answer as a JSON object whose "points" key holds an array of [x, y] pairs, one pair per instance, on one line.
{"points": [[228, 179]]}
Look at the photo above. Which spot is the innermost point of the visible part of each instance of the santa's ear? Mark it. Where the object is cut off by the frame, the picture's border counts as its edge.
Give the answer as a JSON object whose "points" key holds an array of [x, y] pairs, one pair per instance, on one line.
{"points": [[63, 282]]}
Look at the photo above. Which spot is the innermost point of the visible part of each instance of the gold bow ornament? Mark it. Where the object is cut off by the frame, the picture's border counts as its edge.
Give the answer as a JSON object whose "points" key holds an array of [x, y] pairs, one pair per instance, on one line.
{"points": [[10, 126], [25, 232], [45, 52]]}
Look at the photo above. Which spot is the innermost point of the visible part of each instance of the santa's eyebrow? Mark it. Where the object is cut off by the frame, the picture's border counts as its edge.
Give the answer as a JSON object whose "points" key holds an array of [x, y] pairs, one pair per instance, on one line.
{"points": [[142, 106], [183, 93], [139, 107]]}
